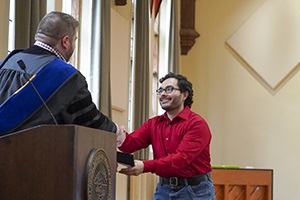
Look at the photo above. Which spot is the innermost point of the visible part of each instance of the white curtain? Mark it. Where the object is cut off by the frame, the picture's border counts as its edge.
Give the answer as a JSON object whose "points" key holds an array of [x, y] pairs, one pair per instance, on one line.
{"points": [[168, 37], [173, 58], [100, 55]]}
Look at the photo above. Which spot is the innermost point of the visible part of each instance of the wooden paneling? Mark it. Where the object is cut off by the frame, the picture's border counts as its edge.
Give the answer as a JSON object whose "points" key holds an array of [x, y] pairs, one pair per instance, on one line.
{"points": [[243, 184]]}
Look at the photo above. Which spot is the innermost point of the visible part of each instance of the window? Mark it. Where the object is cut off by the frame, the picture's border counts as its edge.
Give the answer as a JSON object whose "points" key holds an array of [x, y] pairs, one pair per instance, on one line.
{"points": [[11, 26]]}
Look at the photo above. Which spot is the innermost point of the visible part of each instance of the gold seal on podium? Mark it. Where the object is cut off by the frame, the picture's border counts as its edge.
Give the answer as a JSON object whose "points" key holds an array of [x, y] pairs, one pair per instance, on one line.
{"points": [[99, 184]]}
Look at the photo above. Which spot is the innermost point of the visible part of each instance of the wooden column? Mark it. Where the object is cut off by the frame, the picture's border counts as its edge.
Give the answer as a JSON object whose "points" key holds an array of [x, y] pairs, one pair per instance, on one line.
{"points": [[188, 34], [120, 2]]}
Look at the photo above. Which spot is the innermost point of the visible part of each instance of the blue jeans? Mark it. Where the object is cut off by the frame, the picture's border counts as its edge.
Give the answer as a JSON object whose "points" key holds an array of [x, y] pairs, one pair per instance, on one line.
{"points": [[203, 191]]}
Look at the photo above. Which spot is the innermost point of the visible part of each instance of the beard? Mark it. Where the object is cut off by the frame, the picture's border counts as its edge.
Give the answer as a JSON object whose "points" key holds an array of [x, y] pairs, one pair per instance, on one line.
{"points": [[69, 54], [168, 103]]}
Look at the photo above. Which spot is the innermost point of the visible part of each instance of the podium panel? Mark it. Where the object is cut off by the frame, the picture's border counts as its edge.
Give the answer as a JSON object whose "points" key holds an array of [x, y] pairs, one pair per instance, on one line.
{"points": [[55, 162]]}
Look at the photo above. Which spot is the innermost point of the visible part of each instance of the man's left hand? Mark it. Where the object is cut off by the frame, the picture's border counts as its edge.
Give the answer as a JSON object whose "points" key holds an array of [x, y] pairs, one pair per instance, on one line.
{"points": [[136, 170]]}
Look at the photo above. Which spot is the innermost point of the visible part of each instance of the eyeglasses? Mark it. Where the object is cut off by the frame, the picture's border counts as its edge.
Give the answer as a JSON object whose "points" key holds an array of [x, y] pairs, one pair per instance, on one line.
{"points": [[168, 90]]}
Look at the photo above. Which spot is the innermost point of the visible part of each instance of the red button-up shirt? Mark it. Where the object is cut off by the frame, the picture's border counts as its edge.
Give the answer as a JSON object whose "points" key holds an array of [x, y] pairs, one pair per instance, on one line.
{"points": [[181, 147]]}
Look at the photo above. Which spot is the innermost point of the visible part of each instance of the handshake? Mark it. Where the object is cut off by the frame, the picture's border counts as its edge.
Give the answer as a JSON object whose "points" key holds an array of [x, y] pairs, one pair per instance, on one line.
{"points": [[121, 135]]}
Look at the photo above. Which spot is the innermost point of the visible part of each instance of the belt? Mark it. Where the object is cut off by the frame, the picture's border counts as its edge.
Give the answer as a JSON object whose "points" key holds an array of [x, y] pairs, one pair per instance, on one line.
{"points": [[195, 180]]}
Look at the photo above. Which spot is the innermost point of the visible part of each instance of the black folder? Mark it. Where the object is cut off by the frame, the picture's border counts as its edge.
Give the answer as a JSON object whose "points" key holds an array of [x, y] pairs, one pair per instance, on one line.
{"points": [[125, 159]]}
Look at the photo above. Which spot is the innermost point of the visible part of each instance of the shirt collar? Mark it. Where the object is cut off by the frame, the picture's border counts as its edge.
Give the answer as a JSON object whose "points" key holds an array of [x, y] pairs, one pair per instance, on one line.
{"points": [[183, 114], [49, 48]]}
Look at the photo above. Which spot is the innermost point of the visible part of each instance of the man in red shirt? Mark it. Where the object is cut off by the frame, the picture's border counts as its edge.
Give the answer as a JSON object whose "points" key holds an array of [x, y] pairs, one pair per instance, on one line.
{"points": [[180, 140]]}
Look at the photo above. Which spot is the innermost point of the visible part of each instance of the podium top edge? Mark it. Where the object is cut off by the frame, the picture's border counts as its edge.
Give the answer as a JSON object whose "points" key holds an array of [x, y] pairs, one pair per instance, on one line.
{"points": [[69, 126]]}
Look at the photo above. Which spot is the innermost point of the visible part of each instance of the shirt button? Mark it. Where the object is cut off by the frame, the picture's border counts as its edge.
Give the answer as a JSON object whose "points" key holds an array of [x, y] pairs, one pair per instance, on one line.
{"points": [[167, 138]]}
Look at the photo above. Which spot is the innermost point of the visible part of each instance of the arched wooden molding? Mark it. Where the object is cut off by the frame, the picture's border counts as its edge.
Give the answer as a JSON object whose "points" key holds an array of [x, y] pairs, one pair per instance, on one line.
{"points": [[188, 34]]}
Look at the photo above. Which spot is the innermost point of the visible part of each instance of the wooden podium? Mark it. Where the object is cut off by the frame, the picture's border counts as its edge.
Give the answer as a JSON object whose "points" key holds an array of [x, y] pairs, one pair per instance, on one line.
{"points": [[63, 162]]}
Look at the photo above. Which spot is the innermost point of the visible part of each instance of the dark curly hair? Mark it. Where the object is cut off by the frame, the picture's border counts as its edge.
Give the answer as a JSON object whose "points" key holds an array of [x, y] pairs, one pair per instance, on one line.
{"points": [[183, 84]]}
